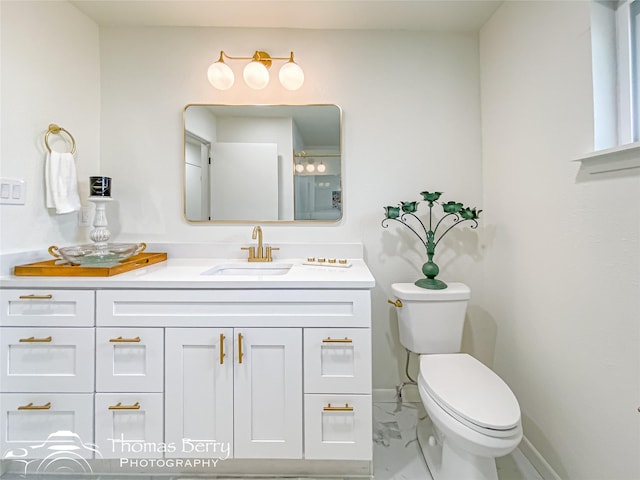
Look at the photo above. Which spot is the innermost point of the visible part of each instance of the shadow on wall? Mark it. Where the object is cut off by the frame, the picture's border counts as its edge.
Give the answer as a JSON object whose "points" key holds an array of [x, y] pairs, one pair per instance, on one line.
{"points": [[479, 335], [543, 445]]}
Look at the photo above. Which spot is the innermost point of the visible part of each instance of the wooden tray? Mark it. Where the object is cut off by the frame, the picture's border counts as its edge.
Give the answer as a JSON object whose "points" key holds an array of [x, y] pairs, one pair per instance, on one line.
{"points": [[50, 268]]}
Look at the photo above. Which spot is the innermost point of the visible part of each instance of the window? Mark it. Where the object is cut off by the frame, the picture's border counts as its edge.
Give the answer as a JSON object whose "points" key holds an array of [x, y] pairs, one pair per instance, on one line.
{"points": [[634, 62], [615, 48], [615, 30]]}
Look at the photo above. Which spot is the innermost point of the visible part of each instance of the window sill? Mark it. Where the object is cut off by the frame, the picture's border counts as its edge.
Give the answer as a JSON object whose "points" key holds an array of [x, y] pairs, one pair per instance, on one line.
{"points": [[616, 159]]}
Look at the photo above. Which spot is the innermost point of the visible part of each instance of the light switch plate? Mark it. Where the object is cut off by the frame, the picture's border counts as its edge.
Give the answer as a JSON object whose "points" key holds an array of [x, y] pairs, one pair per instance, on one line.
{"points": [[12, 191]]}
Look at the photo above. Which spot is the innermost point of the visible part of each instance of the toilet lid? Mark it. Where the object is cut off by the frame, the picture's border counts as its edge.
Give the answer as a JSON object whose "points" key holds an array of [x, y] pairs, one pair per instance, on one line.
{"points": [[467, 389]]}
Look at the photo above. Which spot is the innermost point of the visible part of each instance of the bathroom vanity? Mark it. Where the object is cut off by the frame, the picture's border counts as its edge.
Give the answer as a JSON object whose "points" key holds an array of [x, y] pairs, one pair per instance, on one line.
{"points": [[193, 365]]}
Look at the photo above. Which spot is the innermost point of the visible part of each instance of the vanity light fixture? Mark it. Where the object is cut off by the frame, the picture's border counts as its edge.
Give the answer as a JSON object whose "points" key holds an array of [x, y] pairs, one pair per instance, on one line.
{"points": [[311, 166], [256, 72]]}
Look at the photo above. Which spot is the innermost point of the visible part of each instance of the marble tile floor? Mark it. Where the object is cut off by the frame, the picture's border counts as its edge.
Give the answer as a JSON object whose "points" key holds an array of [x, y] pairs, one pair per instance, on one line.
{"points": [[396, 454]]}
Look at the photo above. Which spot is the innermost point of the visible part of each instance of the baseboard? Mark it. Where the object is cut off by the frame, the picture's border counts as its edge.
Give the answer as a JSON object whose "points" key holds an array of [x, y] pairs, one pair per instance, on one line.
{"points": [[537, 460]]}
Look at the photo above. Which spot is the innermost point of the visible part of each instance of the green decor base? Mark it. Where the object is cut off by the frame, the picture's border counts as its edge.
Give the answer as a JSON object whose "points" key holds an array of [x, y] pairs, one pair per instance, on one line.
{"points": [[431, 284]]}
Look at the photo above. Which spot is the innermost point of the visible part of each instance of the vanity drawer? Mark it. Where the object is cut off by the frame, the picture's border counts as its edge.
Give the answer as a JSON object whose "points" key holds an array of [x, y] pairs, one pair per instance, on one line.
{"points": [[233, 308], [129, 425], [337, 360], [46, 359], [129, 359], [338, 427], [35, 421], [40, 308]]}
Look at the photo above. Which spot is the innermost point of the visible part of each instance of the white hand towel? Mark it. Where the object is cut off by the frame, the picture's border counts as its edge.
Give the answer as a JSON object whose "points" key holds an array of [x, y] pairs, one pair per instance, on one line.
{"points": [[61, 182]]}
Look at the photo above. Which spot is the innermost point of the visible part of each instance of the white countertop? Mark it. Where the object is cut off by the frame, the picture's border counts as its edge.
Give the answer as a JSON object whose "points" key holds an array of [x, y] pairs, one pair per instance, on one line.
{"points": [[180, 272]]}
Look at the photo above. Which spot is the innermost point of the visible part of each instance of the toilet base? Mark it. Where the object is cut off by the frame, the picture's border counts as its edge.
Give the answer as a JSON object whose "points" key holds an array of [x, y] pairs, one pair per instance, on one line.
{"points": [[447, 463]]}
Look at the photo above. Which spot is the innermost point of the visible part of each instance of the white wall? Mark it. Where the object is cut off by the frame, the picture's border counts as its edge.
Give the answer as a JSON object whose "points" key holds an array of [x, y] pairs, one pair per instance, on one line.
{"points": [[554, 267], [50, 74], [411, 123], [562, 267]]}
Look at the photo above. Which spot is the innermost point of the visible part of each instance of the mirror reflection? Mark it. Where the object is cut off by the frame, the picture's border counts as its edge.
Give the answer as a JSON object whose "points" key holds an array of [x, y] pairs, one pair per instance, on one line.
{"points": [[262, 163]]}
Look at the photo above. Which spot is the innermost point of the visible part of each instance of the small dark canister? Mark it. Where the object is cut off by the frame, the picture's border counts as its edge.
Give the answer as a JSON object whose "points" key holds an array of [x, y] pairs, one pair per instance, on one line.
{"points": [[100, 186]]}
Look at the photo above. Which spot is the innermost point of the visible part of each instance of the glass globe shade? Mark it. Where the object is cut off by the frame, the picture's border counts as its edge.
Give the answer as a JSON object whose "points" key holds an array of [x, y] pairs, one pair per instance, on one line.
{"points": [[256, 75], [299, 168], [291, 76], [220, 75], [322, 168], [311, 167]]}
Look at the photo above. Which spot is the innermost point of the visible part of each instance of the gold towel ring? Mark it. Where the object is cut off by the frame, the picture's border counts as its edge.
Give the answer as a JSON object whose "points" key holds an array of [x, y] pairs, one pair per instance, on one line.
{"points": [[55, 129]]}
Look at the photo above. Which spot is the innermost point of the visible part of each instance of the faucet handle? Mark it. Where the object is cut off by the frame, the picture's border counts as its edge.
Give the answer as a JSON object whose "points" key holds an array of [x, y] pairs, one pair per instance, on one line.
{"points": [[268, 253], [252, 251]]}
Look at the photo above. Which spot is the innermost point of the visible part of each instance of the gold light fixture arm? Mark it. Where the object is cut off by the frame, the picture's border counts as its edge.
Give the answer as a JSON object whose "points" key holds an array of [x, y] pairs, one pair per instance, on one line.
{"points": [[258, 56], [304, 154]]}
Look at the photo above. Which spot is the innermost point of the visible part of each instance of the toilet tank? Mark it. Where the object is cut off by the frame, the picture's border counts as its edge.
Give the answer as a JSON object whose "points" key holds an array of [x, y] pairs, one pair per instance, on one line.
{"points": [[431, 321]]}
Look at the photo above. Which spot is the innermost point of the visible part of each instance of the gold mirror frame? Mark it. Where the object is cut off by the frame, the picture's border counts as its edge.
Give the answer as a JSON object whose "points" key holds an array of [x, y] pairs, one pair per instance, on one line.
{"points": [[211, 127]]}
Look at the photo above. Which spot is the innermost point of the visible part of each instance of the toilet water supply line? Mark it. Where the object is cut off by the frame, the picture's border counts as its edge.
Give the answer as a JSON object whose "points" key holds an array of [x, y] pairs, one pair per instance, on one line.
{"points": [[404, 384]]}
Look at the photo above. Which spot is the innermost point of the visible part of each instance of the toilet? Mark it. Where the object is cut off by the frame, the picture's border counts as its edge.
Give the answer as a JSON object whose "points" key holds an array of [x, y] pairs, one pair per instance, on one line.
{"points": [[473, 415]]}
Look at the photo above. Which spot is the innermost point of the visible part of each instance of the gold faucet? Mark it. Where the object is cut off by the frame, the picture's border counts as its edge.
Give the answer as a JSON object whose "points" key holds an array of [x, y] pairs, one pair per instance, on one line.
{"points": [[259, 253]]}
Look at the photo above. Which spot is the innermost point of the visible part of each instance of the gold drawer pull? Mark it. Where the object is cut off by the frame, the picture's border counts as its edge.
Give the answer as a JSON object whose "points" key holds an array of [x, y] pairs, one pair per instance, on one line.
{"points": [[119, 406], [346, 408], [222, 354], [240, 354], [35, 297], [34, 340], [31, 406], [337, 340], [125, 340]]}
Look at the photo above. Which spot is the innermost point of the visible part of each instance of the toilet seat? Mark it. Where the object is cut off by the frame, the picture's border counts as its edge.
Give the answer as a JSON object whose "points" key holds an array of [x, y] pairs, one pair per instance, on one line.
{"points": [[470, 392]]}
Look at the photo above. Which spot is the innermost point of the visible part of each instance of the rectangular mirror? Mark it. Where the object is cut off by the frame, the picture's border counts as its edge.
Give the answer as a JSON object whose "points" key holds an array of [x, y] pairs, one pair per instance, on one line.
{"points": [[262, 163]]}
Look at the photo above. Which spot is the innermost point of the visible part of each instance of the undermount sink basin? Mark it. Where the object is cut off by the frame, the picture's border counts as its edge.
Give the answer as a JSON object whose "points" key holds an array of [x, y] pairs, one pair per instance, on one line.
{"points": [[266, 268]]}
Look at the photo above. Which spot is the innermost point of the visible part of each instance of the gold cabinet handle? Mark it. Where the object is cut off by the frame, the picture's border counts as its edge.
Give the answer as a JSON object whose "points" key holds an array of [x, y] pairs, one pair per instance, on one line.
{"points": [[222, 354], [125, 340], [240, 354], [31, 406], [337, 340], [346, 408], [36, 297], [34, 340], [396, 303], [119, 406]]}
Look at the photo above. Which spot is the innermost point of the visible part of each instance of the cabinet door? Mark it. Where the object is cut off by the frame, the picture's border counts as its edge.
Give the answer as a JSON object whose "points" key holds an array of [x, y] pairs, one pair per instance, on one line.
{"points": [[199, 392], [46, 359], [129, 359], [47, 425], [268, 393], [337, 360], [129, 425], [338, 427], [39, 308]]}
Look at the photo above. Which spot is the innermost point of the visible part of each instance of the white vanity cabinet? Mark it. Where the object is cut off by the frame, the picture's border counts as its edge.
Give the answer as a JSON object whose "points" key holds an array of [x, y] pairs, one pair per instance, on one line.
{"points": [[268, 393], [199, 389], [234, 389], [337, 399], [253, 370], [129, 406], [152, 366], [129, 425], [46, 370]]}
